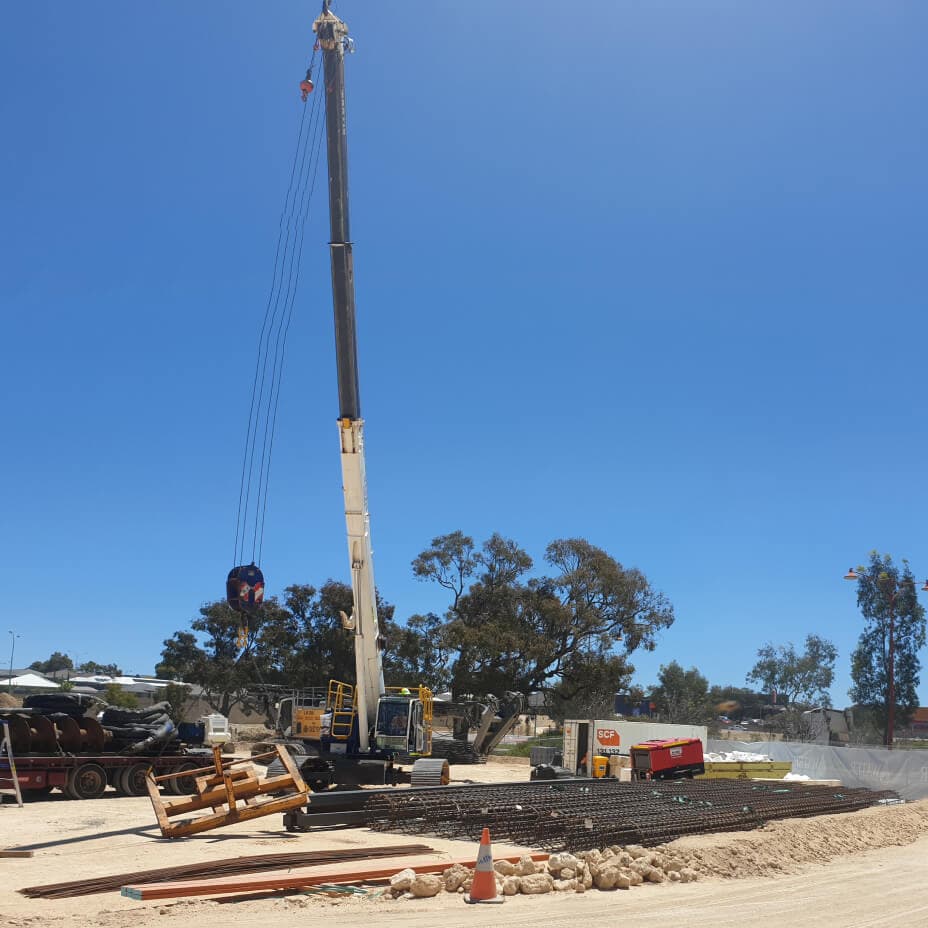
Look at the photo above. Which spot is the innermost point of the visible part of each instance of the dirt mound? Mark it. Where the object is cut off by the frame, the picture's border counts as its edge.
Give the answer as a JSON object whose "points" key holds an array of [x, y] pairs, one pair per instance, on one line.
{"points": [[8, 701], [252, 734], [786, 846]]}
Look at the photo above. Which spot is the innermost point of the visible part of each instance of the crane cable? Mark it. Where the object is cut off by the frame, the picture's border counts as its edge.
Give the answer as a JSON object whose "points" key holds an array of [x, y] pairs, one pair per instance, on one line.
{"points": [[262, 416], [280, 345]]}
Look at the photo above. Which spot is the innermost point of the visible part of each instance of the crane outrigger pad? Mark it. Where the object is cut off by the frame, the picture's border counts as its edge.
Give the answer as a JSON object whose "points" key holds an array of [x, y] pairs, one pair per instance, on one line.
{"points": [[233, 795]]}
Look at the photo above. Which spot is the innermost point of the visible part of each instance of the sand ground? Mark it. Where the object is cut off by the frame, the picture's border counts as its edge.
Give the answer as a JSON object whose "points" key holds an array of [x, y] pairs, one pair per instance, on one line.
{"points": [[862, 870]]}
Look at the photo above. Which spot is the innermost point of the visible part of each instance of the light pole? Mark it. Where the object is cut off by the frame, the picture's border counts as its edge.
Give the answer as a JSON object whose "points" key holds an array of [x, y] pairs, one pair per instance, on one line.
{"points": [[13, 637], [890, 587]]}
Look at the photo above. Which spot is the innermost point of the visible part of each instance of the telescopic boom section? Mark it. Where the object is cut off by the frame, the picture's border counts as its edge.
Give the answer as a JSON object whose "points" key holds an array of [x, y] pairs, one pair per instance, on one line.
{"points": [[332, 36]]}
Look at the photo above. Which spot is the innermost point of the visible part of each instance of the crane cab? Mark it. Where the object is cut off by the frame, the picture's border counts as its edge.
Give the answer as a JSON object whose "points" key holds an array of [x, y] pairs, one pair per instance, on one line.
{"points": [[404, 721]]}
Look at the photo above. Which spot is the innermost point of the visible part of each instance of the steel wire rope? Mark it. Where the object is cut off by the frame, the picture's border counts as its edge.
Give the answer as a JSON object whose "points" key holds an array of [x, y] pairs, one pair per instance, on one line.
{"points": [[264, 341], [280, 348], [295, 182], [280, 228], [287, 263], [283, 352]]}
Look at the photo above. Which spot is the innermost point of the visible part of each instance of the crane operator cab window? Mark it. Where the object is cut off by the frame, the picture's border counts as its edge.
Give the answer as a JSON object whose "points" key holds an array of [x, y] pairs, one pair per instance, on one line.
{"points": [[393, 723]]}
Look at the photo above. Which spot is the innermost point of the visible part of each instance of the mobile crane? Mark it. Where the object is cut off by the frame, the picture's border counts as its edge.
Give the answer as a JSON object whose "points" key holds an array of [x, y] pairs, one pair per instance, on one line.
{"points": [[475, 726], [365, 727]]}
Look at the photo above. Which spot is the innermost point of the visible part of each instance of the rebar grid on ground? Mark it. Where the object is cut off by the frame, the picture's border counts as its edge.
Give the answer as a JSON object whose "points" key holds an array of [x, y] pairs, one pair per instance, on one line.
{"points": [[575, 816]]}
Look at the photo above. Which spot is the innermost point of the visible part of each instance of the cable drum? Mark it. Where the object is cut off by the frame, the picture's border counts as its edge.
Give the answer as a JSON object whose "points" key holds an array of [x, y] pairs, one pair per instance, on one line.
{"points": [[68, 732]]}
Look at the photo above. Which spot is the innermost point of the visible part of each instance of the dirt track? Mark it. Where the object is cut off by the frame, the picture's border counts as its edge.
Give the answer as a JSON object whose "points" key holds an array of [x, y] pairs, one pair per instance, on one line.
{"points": [[875, 876]]}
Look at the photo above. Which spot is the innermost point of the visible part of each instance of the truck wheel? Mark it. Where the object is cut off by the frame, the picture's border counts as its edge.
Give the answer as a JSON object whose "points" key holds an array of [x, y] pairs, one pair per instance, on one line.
{"points": [[88, 781], [130, 781], [184, 786]]}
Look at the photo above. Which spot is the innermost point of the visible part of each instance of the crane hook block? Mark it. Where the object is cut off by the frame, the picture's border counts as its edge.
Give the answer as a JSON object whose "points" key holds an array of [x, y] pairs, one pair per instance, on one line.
{"points": [[306, 86], [245, 588]]}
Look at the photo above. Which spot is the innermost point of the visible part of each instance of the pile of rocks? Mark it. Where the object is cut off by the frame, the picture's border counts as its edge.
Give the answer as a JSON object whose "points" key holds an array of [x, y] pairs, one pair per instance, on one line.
{"points": [[609, 869]]}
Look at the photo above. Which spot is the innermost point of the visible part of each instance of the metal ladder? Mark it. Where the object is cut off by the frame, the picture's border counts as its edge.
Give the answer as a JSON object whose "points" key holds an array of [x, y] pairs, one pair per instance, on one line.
{"points": [[7, 763]]}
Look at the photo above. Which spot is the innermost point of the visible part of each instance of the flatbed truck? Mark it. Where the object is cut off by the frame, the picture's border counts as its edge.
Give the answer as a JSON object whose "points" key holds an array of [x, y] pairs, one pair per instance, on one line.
{"points": [[86, 776]]}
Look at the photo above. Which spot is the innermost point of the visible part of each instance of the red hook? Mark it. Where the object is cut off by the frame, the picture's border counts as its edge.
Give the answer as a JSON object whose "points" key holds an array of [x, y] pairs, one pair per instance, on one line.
{"points": [[306, 87]]}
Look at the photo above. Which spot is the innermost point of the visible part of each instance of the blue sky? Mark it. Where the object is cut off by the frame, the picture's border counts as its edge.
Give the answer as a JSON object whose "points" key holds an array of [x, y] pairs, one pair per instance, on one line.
{"points": [[650, 273]]}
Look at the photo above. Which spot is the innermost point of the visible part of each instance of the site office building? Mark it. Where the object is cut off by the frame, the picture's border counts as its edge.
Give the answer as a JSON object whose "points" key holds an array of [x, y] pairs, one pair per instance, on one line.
{"points": [[613, 737]]}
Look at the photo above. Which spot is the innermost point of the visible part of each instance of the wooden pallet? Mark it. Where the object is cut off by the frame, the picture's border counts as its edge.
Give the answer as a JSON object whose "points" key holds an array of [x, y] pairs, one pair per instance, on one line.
{"points": [[233, 795]]}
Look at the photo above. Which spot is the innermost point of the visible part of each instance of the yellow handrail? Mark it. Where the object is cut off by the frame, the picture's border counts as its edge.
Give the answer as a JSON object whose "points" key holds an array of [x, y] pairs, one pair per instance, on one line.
{"points": [[424, 695], [341, 701]]}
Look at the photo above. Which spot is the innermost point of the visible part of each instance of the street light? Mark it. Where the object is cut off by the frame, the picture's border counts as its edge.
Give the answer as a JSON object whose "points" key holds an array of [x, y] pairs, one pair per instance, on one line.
{"points": [[891, 588], [13, 637]]}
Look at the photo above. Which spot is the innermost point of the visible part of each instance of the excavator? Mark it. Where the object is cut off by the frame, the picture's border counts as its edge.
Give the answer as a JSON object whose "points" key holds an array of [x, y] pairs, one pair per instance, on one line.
{"points": [[358, 733]]}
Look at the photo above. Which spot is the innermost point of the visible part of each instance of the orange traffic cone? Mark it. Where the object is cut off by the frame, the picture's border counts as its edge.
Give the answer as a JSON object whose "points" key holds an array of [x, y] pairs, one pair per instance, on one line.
{"points": [[483, 888]]}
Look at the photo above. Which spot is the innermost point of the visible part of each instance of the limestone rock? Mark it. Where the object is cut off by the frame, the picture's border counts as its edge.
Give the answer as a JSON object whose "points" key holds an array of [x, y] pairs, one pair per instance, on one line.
{"points": [[673, 876], [687, 875], [636, 850], [533, 883], [568, 873], [426, 884], [563, 886], [585, 877], [455, 877], [605, 878], [674, 863], [654, 875], [623, 881], [557, 862], [504, 867], [401, 881], [525, 866], [511, 885]]}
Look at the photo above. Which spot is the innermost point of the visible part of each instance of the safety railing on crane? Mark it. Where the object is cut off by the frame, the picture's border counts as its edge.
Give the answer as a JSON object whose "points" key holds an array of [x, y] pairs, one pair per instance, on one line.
{"points": [[341, 700]]}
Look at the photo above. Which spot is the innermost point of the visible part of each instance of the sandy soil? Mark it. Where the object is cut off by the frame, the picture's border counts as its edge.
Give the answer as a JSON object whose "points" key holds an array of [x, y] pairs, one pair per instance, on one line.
{"points": [[863, 870]]}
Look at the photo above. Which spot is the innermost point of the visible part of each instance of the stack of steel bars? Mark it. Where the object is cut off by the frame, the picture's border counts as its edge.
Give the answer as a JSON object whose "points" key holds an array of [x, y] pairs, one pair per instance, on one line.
{"points": [[228, 867], [572, 815]]}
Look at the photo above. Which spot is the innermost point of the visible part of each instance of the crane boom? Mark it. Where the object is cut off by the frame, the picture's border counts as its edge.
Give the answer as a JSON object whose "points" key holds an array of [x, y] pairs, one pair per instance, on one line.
{"points": [[332, 36]]}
